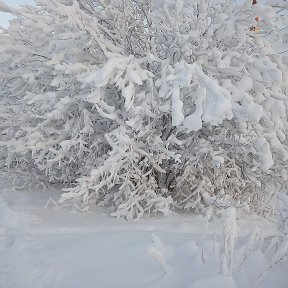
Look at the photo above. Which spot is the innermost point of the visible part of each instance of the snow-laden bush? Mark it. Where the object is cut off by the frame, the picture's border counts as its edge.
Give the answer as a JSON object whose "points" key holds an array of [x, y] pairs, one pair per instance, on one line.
{"points": [[146, 106]]}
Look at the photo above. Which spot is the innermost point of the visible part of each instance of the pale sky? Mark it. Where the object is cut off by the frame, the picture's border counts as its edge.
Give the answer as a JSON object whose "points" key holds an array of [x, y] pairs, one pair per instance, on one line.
{"points": [[5, 17]]}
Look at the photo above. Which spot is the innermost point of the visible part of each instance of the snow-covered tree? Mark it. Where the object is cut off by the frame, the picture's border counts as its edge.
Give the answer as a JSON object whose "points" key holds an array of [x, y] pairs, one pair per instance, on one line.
{"points": [[146, 106]]}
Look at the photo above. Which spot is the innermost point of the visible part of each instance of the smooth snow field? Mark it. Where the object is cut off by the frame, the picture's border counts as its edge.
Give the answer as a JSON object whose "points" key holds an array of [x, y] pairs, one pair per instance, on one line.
{"points": [[42, 246]]}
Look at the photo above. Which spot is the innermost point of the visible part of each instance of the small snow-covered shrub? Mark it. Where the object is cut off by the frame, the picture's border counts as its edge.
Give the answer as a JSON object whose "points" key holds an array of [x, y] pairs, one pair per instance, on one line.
{"points": [[146, 106]]}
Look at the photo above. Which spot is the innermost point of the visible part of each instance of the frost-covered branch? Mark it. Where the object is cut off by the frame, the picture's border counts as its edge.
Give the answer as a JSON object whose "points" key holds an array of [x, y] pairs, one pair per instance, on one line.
{"points": [[146, 106]]}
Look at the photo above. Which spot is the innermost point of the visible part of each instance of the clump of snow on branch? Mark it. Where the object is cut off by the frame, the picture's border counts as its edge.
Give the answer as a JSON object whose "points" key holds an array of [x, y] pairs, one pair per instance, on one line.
{"points": [[156, 251], [230, 236]]}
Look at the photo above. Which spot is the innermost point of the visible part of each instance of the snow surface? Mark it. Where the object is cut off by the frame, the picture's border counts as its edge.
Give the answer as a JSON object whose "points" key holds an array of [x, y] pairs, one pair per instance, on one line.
{"points": [[44, 246]]}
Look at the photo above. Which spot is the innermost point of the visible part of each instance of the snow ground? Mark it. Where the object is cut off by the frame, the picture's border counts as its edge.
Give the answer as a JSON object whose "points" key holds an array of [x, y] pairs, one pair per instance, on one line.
{"points": [[61, 248]]}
